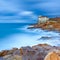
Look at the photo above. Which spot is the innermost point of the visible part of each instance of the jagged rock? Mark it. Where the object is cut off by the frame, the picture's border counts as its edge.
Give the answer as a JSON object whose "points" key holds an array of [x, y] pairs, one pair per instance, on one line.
{"points": [[17, 52], [7, 52], [25, 50], [3, 53], [37, 52], [13, 51]]}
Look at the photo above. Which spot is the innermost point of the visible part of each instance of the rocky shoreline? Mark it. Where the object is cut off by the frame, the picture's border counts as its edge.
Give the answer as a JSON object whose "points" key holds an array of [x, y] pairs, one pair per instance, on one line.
{"points": [[37, 52], [53, 24]]}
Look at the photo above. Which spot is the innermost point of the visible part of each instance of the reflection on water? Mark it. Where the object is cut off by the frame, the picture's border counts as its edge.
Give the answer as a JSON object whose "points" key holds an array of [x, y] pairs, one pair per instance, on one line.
{"points": [[17, 35]]}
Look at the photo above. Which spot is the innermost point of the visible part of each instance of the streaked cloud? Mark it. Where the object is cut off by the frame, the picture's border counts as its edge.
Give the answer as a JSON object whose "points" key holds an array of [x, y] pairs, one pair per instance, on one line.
{"points": [[24, 13], [13, 21], [11, 10], [21, 17], [7, 6]]}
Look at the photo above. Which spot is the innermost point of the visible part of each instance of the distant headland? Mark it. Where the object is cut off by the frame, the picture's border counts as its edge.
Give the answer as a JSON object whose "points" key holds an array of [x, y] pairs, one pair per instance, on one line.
{"points": [[47, 23]]}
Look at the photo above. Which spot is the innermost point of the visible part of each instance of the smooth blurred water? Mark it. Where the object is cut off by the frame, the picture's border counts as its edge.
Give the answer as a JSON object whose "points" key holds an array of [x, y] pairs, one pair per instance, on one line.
{"points": [[17, 35]]}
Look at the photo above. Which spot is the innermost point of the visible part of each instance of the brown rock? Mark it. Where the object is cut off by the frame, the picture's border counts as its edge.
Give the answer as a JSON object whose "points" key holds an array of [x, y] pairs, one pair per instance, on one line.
{"points": [[3, 53], [52, 56], [21, 51], [51, 24]]}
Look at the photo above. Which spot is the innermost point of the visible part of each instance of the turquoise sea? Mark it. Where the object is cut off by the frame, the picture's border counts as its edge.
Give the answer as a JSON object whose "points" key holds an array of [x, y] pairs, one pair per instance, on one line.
{"points": [[17, 35]]}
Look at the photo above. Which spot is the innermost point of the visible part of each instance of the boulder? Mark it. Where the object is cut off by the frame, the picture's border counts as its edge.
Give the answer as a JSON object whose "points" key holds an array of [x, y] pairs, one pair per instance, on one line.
{"points": [[52, 56]]}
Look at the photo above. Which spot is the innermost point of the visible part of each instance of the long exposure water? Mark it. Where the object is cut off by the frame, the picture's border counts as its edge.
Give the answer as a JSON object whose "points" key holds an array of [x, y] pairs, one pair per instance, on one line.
{"points": [[17, 35]]}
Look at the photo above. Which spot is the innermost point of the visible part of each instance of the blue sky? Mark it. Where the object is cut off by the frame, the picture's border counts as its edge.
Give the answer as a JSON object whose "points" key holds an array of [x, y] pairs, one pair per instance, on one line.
{"points": [[22, 11]]}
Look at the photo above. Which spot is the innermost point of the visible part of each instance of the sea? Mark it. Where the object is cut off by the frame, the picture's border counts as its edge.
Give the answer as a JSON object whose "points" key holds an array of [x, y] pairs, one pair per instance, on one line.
{"points": [[16, 35]]}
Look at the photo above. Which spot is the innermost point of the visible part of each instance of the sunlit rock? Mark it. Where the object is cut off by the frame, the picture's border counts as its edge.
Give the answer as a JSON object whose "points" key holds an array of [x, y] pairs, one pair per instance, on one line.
{"points": [[52, 56]]}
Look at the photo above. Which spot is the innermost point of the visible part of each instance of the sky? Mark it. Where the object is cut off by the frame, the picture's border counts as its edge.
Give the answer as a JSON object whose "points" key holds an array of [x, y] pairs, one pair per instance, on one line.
{"points": [[24, 11]]}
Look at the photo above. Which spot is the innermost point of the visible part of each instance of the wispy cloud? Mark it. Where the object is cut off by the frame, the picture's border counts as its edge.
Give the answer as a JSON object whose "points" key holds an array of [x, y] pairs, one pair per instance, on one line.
{"points": [[21, 17], [50, 7], [27, 10], [24, 13], [8, 6], [28, 14]]}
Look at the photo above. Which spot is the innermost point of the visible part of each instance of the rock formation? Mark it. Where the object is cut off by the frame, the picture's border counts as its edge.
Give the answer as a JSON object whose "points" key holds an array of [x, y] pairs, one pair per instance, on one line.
{"points": [[10, 57], [37, 52], [52, 56], [51, 24]]}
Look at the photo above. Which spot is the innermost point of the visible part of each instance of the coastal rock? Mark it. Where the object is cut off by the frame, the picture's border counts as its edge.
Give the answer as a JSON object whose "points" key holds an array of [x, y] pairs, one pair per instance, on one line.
{"points": [[36, 52], [12, 51], [27, 50], [7, 52], [45, 38], [53, 24], [52, 56], [10, 57], [3, 53]]}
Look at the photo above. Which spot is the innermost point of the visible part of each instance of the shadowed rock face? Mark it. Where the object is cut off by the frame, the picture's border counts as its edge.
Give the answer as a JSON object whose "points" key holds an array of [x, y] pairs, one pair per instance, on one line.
{"points": [[37, 52]]}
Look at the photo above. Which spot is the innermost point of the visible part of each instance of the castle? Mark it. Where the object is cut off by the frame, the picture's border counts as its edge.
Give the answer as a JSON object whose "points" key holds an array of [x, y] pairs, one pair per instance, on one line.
{"points": [[42, 19]]}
